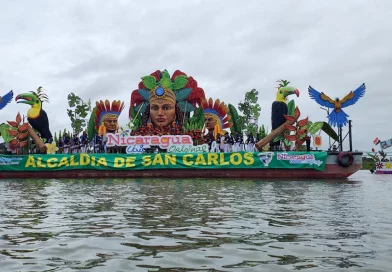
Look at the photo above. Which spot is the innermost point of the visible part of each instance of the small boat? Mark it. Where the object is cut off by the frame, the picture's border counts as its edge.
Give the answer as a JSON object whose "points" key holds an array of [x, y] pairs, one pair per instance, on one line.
{"points": [[382, 165]]}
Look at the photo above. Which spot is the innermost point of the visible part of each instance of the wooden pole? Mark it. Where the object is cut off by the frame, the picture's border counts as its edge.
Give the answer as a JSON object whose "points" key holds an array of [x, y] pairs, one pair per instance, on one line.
{"points": [[37, 140], [270, 137]]}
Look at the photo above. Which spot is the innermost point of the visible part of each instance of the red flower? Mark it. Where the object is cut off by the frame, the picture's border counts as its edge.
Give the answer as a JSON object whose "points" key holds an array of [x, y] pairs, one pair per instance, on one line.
{"points": [[379, 165]]}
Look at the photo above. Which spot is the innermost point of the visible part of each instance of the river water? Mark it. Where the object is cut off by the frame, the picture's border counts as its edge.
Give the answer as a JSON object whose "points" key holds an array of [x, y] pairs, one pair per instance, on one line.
{"points": [[196, 225]]}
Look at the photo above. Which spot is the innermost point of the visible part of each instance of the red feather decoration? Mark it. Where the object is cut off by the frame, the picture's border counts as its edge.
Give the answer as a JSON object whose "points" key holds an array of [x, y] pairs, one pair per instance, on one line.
{"points": [[177, 73], [221, 109], [107, 105]]}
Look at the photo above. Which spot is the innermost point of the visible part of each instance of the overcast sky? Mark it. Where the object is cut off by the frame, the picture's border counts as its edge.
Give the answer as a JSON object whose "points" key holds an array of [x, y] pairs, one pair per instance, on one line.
{"points": [[101, 51]]}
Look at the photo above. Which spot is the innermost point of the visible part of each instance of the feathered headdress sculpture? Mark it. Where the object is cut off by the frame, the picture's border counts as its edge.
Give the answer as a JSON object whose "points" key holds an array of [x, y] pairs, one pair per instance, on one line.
{"points": [[179, 88], [219, 112], [101, 111]]}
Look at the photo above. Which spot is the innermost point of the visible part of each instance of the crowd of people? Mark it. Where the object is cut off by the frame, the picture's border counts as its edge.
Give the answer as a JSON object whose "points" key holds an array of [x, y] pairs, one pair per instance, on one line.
{"points": [[227, 142], [81, 144]]}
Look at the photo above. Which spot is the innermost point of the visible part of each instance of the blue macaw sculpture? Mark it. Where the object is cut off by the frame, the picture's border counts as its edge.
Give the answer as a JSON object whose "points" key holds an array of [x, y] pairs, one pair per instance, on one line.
{"points": [[337, 118], [4, 100]]}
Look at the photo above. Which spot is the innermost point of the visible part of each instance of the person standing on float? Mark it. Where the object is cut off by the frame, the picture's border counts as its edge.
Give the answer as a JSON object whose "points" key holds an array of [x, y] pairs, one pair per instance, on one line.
{"points": [[84, 142], [97, 143], [75, 144], [237, 138], [250, 142], [67, 142]]}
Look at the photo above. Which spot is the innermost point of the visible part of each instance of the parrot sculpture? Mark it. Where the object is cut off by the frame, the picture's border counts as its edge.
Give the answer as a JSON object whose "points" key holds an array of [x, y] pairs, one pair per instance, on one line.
{"points": [[337, 118], [4, 100], [36, 116], [280, 108]]}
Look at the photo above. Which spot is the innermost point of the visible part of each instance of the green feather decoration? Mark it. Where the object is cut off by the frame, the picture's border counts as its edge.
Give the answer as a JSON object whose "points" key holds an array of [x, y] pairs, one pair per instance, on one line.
{"points": [[180, 82], [4, 132], [196, 121], [279, 138], [166, 81], [142, 105], [91, 125], [308, 125], [144, 93], [137, 120], [291, 108], [324, 126], [234, 119], [315, 127], [182, 94], [185, 106], [149, 81]]}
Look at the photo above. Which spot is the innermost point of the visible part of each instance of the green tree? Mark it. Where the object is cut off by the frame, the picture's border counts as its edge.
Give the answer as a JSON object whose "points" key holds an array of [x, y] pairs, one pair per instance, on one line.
{"points": [[262, 132], [77, 112], [250, 110]]}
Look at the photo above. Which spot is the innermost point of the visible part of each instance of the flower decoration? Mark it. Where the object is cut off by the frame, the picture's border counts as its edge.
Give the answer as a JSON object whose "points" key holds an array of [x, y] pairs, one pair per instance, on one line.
{"points": [[379, 165], [51, 148], [317, 140], [388, 165], [18, 132], [124, 132]]}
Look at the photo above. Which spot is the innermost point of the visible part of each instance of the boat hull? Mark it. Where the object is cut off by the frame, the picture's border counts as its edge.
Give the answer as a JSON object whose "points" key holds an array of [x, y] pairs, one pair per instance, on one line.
{"points": [[333, 170]]}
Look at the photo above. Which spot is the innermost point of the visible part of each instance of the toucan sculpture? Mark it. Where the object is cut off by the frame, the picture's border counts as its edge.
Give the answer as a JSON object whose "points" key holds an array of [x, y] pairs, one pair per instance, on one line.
{"points": [[337, 118], [280, 108], [4, 100], [36, 116]]}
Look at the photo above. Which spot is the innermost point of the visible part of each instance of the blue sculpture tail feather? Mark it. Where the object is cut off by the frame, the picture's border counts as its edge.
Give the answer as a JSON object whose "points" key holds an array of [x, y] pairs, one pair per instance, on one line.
{"points": [[337, 119]]}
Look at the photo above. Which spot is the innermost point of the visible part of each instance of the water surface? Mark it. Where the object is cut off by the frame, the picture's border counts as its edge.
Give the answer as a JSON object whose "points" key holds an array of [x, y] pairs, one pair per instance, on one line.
{"points": [[196, 225]]}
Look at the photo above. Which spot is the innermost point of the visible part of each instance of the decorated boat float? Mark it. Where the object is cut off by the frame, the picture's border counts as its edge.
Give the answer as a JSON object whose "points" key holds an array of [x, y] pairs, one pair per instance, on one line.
{"points": [[382, 165], [175, 131]]}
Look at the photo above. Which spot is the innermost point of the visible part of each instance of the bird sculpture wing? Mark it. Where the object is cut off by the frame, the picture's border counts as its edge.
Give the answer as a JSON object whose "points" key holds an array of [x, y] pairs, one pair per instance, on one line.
{"points": [[353, 96], [6, 99], [321, 98]]}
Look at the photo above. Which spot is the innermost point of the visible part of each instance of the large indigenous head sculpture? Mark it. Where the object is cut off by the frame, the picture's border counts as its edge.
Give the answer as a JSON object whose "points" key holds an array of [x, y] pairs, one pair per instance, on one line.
{"points": [[162, 101], [106, 116], [216, 116], [337, 118]]}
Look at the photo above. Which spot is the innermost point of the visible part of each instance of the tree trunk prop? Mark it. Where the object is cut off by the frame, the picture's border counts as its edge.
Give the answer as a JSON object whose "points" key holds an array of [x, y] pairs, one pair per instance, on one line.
{"points": [[37, 140], [270, 137]]}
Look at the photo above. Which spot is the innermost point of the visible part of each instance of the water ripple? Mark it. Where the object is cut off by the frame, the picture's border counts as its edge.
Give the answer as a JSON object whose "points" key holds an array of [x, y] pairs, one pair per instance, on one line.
{"points": [[195, 225]]}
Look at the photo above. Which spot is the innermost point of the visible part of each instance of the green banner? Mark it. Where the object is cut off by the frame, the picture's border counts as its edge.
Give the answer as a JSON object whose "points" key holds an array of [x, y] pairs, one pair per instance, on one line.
{"points": [[289, 160]]}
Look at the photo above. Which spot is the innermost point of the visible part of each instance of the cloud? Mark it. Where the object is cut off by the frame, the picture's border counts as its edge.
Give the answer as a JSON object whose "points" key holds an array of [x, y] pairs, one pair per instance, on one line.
{"points": [[229, 47]]}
